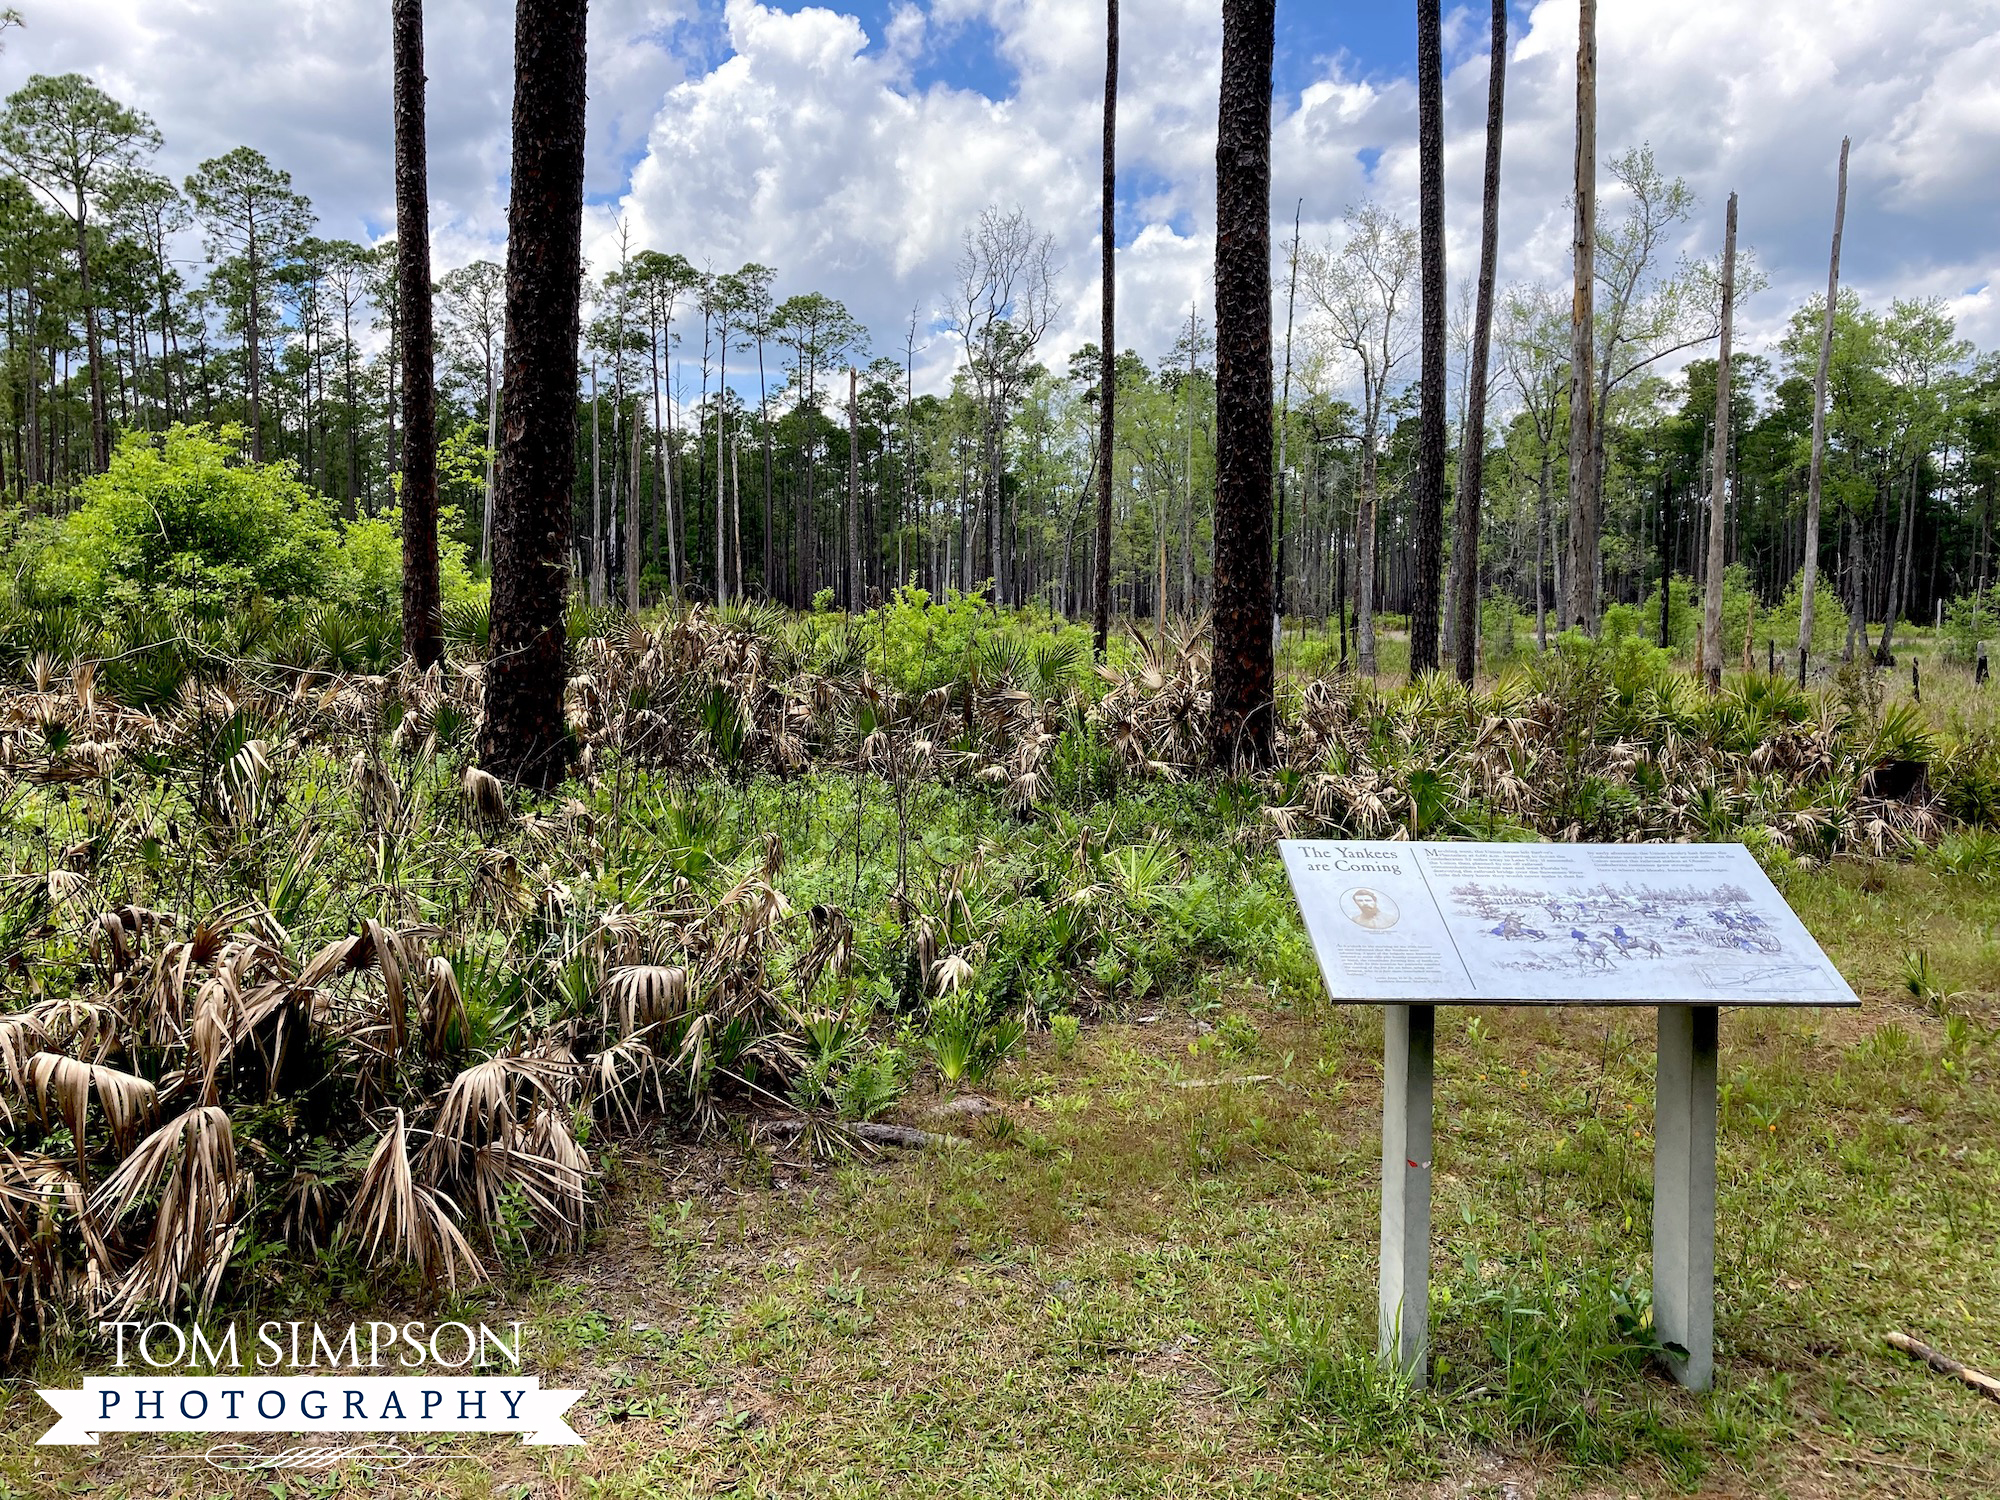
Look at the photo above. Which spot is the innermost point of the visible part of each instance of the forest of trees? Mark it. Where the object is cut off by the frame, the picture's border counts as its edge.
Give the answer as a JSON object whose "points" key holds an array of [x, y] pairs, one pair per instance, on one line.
{"points": [[752, 439]]}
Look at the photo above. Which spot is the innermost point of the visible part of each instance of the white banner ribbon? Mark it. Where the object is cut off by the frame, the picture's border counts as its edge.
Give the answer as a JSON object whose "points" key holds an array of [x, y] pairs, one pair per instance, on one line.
{"points": [[312, 1405]]}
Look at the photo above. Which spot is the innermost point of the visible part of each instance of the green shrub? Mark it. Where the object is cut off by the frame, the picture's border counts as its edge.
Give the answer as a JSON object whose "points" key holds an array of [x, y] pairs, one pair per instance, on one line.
{"points": [[372, 553], [181, 525], [1777, 623], [1968, 620]]}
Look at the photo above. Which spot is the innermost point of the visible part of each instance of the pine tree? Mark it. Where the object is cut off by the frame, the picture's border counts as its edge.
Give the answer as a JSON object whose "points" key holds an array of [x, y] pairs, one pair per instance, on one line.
{"points": [[523, 736]]}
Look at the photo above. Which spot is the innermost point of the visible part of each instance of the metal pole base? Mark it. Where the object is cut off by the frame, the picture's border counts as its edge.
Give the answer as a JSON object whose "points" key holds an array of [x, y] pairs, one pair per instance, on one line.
{"points": [[1684, 1193], [1403, 1310]]}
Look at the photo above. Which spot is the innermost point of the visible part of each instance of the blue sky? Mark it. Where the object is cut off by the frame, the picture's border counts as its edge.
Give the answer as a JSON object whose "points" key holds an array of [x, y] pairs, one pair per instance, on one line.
{"points": [[850, 146]]}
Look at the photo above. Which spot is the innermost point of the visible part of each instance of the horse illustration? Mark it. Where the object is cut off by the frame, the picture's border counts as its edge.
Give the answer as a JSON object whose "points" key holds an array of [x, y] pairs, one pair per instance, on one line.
{"points": [[1513, 928], [1589, 951], [1629, 943]]}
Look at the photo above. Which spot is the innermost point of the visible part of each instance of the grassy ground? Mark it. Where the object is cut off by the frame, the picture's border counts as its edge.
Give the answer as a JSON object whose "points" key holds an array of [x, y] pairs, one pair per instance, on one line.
{"points": [[1149, 1269]]}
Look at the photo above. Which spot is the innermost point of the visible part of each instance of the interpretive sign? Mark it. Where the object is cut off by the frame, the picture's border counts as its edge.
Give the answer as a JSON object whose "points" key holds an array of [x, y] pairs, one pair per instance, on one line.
{"points": [[1687, 928], [1552, 924]]}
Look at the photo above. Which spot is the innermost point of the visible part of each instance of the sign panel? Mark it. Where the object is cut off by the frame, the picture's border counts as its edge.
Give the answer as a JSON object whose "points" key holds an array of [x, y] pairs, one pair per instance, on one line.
{"points": [[1554, 924]]}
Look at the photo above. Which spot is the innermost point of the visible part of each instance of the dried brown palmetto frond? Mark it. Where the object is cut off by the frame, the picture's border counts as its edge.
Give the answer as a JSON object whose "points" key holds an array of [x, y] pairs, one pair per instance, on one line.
{"points": [[161, 992], [380, 793], [397, 1218], [391, 953], [487, 1100], [639, 997], [246, 779], [21, 1037], [617, 937], [115, 938], [89, 1029], [189, 1166], [832, 948], [485, 797], [42, 1206], [69, 894], [544, 1165], [62, 1088], [618, 1079], [498, 887], [443, 1010]]}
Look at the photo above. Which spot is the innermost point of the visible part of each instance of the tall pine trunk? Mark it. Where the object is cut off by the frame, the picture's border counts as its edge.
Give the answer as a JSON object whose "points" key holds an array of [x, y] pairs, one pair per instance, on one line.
{"points": [[1107, 370], [1718, 481], [632, 533], [1579, 603], [1815, 470], [423, 624], [1240, 727], [1285, 425], [522, 735], [1429, 538], [1472, 459], [856, 589], [1899, 567], [100, 427], [594, 560]]}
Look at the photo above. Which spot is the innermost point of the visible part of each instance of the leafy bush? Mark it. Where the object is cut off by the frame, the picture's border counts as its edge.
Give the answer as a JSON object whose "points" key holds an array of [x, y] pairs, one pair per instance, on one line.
{"points": [[372, 548], [1771, 623], [179, 525], [966, 1047], [1968, 620]]}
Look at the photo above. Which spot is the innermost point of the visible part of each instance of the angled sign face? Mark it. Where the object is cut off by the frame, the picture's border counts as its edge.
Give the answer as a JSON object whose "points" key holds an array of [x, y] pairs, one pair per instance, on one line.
{"points": [[1554, 924]]}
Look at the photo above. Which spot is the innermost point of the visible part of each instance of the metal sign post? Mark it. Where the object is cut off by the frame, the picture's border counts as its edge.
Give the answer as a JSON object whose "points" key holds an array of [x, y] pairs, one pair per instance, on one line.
{"points": [[1687, 928]]}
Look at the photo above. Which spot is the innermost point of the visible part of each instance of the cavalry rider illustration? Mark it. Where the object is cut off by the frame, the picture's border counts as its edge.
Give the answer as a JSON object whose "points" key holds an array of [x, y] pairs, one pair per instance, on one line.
{"points": [[1592, 953], [1629, 943]]}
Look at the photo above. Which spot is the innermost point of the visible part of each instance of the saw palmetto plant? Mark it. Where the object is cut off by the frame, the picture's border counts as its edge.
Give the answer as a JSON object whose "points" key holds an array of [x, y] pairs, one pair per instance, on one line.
{"points": [[283, 967]]}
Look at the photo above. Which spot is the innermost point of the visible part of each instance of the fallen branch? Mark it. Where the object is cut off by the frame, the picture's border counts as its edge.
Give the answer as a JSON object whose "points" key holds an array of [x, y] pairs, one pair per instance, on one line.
{"points": [[1216, 1083], [906, 1137], [1944, 1364]]}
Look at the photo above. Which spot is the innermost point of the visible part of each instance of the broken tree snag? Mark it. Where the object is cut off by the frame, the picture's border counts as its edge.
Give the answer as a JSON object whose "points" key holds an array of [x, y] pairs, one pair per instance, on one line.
{"points": [[1944, 1364]]}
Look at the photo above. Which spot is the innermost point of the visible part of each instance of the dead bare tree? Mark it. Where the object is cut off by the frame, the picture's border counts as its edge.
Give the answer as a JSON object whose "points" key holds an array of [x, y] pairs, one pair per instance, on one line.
{"points": [[1718, 492], [1002, 304], [1579, 606], [1815, 470], [1361, 290]]}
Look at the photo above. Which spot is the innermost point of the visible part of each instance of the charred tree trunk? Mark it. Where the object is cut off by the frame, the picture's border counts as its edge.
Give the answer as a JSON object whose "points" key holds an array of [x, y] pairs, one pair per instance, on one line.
{"points": [[423, 625], [1107, 375], [1285, 422], [1899, 567], [1429, 498], [100, 426], [523, 735], [1472, 458], [856, 588], [1240, 730]]}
